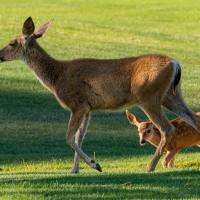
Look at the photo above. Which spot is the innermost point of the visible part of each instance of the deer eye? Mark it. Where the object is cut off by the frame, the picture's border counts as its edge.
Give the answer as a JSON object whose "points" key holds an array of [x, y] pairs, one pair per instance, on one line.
{"points": [[148, 131], [12, 44]]}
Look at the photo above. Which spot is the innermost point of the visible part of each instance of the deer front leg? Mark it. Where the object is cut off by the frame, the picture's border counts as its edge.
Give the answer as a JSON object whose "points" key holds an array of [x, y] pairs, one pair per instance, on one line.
{"points": [[165, 137], [156, 115], [169, 159], [171, 162], [74, 126], [79, 137]]}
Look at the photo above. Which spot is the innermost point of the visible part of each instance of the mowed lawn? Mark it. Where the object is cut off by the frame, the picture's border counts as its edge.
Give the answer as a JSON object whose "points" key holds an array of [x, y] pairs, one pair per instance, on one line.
{"points": [[35, 159]]}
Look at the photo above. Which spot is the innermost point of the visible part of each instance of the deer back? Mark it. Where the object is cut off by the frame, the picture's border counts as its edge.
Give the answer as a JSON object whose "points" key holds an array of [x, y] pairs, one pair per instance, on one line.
{"points": [[185, 135]]}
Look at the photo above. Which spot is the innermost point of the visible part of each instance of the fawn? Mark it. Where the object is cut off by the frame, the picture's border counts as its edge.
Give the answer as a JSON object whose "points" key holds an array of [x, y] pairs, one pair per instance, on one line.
{"points": [[184, 136], [85, 85]]}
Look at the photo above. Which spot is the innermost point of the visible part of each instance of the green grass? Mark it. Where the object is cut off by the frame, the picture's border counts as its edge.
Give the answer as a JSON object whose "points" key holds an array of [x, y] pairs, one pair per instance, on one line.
{"points": [[58, 185], [34, 158]]}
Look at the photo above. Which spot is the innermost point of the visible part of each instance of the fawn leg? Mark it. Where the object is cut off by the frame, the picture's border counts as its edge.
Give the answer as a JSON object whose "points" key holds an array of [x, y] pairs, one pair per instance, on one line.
{"points": [[171, 162], [169, 159], [79, 137], [75, 122], [156, 115]]}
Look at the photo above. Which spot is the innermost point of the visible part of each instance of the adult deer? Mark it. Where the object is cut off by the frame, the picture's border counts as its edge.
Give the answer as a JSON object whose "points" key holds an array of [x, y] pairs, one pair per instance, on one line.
{"points": [[85, 85], [184, 136]]}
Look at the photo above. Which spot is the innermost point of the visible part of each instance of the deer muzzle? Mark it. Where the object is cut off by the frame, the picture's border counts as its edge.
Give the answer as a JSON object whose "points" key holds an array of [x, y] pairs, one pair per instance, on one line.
{"points": [[2, 60], [142, 142]]}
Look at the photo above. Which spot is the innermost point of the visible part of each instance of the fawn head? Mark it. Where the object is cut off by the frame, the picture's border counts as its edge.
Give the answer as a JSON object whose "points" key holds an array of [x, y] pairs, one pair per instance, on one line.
{"points": [[145, 129], [17, 47]]}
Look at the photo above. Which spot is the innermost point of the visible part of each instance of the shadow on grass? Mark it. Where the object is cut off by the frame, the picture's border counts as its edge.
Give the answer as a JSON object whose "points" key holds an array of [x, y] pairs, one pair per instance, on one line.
{"points": [[34, 125], [166, 185]]}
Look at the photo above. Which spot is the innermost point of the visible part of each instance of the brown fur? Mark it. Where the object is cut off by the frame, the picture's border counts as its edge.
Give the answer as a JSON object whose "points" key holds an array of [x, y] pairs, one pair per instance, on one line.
{"points": [[85, 85], [184, 136]]}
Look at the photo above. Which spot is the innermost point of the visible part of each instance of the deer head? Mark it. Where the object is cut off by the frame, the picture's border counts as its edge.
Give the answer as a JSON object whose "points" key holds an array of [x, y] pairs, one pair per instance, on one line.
{"points": [[145, 129], [16, 49]]}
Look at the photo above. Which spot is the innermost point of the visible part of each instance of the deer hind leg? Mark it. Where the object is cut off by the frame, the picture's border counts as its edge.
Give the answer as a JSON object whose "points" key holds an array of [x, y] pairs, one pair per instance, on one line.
{"points": [[176, 104], [156, 115], [79, 137], [78, 120], [169, 159], [171, 162]]}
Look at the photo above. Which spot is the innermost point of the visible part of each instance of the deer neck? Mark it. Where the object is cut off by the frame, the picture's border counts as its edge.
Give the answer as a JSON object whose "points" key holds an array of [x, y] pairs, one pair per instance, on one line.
{"points": [[156, 137], [46, 68]]}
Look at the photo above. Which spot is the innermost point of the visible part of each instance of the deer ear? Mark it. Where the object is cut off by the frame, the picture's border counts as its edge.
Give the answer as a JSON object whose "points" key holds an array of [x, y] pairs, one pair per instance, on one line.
{"points": [[42, 30], [28, 27], [132, 118]]}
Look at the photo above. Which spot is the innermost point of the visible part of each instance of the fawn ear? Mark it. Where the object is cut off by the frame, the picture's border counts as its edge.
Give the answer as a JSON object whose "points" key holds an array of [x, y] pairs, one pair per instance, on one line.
{"points": [[28, 27], [42, 30], [132, 118]]}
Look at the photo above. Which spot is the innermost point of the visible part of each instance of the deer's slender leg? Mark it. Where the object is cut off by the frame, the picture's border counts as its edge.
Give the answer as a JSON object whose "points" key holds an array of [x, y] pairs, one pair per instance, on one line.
{"points": [[176, 104], [171, 162], [76, 119], [156, 115], [169, 159], [79, 137]]}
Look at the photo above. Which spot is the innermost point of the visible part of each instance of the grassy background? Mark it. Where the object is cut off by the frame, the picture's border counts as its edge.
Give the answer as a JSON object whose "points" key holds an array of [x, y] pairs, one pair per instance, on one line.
{"points": [[34, 157]]}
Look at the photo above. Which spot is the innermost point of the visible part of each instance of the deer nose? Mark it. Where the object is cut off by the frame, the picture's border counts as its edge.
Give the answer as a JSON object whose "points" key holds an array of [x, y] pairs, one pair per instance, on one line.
{"points": [[142, 142], [1, 59]]}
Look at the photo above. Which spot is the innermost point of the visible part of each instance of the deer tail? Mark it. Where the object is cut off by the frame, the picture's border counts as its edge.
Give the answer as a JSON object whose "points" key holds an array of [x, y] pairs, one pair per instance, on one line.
{"points": [[177, 76]]}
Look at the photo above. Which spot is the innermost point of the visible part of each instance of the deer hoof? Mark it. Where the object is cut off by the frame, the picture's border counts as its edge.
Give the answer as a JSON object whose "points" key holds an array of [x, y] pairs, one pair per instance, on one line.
{"points": [[96, 166], [74, 171], [150, 169]]}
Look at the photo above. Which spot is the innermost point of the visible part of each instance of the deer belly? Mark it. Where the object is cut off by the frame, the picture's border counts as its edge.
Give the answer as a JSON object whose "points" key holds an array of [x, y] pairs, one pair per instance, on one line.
{"points": [[62, 104]]}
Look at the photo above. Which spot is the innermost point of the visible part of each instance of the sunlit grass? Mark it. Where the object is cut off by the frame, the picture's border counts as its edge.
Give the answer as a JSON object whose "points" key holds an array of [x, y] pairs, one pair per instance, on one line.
{"points": [[35, 160]]}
